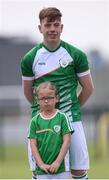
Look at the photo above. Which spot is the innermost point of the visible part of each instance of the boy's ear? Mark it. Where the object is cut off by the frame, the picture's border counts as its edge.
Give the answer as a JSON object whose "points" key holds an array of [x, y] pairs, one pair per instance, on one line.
{"points": [[62, 27], [39, 26], [57, 98]]}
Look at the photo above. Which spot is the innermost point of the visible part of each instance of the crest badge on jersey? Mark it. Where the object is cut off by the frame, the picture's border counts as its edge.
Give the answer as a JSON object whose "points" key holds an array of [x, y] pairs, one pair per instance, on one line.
{"points": [[65, 62], [57, 128]]}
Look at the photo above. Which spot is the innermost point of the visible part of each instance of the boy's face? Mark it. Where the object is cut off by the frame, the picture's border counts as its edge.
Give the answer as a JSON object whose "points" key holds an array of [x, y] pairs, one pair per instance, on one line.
{"points": [[47, 99], [51, 30]]}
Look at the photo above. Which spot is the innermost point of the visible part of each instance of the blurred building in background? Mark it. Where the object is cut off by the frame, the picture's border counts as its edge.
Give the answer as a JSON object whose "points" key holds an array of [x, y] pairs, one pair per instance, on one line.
{"points": [[15, 110]]}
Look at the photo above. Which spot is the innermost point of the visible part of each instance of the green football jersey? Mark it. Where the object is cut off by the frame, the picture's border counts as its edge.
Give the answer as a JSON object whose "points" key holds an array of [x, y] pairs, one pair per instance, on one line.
{"points": [[62, 66], [49, 134]]}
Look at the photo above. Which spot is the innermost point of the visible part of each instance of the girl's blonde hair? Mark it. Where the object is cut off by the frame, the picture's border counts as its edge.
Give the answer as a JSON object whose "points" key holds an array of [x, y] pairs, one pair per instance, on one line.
{"points": [[44, 85]]}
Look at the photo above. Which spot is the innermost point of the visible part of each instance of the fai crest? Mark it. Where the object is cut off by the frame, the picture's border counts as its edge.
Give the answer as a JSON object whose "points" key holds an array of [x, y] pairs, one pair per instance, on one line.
{"points": [[65, 62], [57, 128]]}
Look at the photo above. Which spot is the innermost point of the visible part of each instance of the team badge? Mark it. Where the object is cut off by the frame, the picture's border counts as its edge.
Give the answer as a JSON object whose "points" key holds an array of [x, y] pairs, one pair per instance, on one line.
{"points": [[64, 62], [57, 128]]}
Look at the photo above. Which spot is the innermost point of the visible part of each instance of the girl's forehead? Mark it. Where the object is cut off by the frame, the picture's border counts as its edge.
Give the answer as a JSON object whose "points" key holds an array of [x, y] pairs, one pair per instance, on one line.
{"points": [[46, 90]]}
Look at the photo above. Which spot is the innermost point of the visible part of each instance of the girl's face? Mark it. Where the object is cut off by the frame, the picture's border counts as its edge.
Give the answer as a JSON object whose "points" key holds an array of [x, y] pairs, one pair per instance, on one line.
{"points": [[47, 99]]}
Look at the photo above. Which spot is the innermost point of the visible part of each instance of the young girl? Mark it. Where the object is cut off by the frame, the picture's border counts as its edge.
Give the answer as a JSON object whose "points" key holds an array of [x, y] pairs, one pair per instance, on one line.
{"points": [[50, 134]]}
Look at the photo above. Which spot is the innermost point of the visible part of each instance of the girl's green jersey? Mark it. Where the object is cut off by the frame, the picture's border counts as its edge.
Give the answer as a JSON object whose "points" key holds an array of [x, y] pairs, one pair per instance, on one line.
{"points": [[62, 66], [49, 134]]}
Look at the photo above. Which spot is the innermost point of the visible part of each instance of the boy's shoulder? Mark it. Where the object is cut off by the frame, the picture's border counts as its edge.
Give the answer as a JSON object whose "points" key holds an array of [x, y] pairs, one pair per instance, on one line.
{"points": [[33, 50], [73, 50], [30, 54]]}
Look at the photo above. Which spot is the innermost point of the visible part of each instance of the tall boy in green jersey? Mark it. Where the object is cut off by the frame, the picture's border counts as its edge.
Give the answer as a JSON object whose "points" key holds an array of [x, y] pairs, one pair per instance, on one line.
{"points": [[50, 134], [59, 62]]}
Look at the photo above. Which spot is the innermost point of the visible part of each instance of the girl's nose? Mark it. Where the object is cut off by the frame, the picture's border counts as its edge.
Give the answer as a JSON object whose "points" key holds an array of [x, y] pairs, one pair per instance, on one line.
{"points": [[46, 100]]}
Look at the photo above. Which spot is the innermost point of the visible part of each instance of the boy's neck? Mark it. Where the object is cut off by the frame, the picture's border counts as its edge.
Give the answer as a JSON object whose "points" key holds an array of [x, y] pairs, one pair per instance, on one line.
{"points": [[51, 46]]}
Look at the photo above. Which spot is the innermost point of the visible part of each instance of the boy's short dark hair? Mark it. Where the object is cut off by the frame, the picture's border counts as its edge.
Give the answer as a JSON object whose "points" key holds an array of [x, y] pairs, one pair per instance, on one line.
{"points": [[52, 14]]}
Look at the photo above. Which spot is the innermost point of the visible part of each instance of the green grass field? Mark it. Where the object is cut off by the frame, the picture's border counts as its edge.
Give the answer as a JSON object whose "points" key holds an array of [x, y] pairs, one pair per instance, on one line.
{"points": [[14, 164]]}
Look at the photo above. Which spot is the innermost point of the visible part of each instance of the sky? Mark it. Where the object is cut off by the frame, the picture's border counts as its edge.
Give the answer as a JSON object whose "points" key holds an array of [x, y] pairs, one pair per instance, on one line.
{"points": [[86, 22]]}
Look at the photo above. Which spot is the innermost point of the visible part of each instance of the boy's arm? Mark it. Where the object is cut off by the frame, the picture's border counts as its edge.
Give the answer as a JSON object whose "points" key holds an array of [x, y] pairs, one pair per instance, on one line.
{"points": [[66, 142], [27, 88], [87, 88], [35, 152]]}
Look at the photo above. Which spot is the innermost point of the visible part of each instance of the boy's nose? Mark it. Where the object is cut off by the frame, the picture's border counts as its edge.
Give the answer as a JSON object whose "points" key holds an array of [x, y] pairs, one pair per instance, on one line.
{"points": [[52, 28]]}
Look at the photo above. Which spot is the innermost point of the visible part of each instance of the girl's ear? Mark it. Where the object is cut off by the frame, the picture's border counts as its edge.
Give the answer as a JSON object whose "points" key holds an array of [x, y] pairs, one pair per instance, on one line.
{"points": [[35, 96], [37, 100]]}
